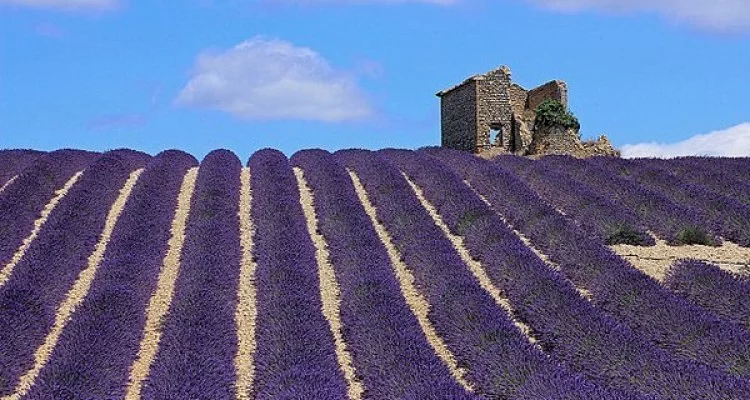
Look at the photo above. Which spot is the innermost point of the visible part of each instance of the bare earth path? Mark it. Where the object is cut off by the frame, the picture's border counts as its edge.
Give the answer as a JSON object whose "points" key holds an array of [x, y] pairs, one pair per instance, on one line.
{"points": [[655, 260]]}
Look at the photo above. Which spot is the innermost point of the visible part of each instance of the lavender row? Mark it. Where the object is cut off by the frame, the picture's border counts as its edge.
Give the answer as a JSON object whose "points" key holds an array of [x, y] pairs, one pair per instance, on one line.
{"points": [[729, 217], [295, 349], [608, 222], [710, 173], [199, 337], [670, 221], [389, 349], [23, 202], [712, 288], [500, 361], [13, 162], [737, 166], [567, 326], [98, 346], [636, 300], [29, 301]]}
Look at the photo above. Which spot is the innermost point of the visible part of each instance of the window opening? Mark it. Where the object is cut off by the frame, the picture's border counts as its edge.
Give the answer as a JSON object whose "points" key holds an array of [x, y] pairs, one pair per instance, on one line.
{"points": [[496, 135]]}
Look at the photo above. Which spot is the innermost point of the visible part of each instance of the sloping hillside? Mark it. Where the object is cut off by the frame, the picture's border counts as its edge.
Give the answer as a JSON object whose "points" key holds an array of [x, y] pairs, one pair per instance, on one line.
{"points": [[393, 274]]}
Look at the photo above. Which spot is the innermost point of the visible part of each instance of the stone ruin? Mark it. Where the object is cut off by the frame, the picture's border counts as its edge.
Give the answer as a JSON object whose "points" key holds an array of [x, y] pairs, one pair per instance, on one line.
{"points": [[488, 114]]}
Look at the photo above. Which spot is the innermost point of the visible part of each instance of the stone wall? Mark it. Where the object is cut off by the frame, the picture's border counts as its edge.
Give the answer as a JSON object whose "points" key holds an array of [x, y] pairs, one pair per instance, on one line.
{"points": [[518, 98], [555, 140], [493, 105], [558, 140], [555, 90], [523, 134], [458, 117], [599, 147]]}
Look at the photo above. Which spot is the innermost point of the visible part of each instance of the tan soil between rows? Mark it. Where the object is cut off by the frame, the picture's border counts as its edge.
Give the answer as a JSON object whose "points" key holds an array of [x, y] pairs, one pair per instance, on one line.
{"points": [[7, 270], [476, 268], [583, 292], [247, 311], [158, 306], [77, 292], [416, 301], [10, 182], [330, 292], [655, 260]]}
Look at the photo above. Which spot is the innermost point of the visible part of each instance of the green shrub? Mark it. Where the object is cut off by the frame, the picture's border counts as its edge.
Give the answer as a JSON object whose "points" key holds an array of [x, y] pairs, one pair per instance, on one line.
{"points": [[623, 234], [551, 113], [694, 235]]}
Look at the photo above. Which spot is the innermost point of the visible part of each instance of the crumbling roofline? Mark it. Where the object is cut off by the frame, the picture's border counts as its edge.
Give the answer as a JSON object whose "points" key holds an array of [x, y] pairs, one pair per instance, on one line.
{"points": [[479, 77]]}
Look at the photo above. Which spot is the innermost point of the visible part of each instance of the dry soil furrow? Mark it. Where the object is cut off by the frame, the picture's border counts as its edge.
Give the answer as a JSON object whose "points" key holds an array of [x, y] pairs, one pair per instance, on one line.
{"points": [[158, 306], [656, 260], [417, 303], [6, 272], [77, 292], [583, 292], [475, 266], [10, 182], [246, 312], [330, 292]]}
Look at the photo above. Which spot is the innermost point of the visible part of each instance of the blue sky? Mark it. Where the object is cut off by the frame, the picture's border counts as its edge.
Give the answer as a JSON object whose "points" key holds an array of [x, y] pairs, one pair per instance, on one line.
{"points": [[659, 77]]}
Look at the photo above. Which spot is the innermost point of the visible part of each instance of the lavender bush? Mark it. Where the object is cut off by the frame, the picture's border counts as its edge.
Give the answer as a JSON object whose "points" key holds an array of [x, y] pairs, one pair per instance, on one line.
{"points": [[13, 162], [730, 217], [629, 338], [390, 352], [499, 359], [40, 281], [22, 203], [672, 222], [714, 289], [735, 166], [606, 221], [709, 172], [616, 287], [196, 353], [568, 327], [295, 349], [94, 354]]}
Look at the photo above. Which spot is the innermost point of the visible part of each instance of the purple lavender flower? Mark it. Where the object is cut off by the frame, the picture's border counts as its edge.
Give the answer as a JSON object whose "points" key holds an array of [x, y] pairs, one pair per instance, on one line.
{"points": [[630, 296], [672, 222], [199, 338], [13, 162], [606, 221], [728, 216], [295, 355], [712, 288], [95, 351], [40, 281]]}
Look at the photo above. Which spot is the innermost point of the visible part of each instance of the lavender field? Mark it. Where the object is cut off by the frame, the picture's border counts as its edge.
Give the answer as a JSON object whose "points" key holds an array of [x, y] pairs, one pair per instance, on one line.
{"points": [[391, 274]]}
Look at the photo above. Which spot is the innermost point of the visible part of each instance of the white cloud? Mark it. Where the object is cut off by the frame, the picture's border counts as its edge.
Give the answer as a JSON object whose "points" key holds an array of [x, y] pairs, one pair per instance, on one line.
{"points": [[92, 5], [717, 15], [732, 142], [273, 79]]}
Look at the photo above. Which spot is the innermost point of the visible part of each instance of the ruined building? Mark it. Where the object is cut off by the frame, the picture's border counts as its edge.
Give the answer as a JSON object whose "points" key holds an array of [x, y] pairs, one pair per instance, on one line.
{"points": [[489, 114]]}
